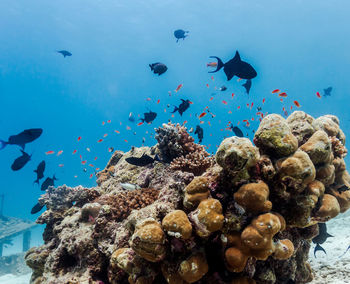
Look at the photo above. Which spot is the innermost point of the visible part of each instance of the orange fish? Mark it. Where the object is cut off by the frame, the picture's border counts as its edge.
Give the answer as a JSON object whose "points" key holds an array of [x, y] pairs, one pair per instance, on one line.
{"points": [[81, 157], [229, 112], [158, 101], [247, 105], [191, 103], [100, 140], [126, 140], [184, 122], [282, 94], [148, 99], [91, 175], [128, 128], [318, 95], [83, 162], [91, 165], [281, 100], [251, 106], [202, 122], [202, 114], [275, 91], [291, 107], [108, 121], [59, 153], [238, 107], [239, 79], [212, 64], [212, 77], [95, 158], [165, 110], [79, 138], [105, 135], [233, 95], [178, 87], [224, 102], [211, 98], [296, 103], [283, 108], [209, 123], [74, 152], [207, 85], [252, 119], [49, 152], [140, 123], [116, 131], [103, 123], [61, 165], [263, 100], [97, 169], [172, 115]]}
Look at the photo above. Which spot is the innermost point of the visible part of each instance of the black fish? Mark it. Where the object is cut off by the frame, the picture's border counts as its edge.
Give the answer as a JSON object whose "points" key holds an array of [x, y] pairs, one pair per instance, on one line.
{"points": [[327, 92], [131, 117], [149, 116], [223, 88], [37, 208], [237, 131], [321, 237], [180, 34], [21, 161], [158, 68], [26, 136], [48, 182], [39, 171], [259, 108], [64, 53], [199, 132], [182, 107], [144, 160], [343, 188], [235, 67], [247, 85]]}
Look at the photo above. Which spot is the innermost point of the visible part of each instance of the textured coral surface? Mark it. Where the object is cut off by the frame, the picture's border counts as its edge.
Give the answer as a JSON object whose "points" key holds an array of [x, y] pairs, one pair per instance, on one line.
{"points": [[245, 215]]}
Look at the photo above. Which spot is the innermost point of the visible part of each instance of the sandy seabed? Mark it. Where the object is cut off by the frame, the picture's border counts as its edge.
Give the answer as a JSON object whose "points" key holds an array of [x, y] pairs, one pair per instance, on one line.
{"points": [[333, 268]]}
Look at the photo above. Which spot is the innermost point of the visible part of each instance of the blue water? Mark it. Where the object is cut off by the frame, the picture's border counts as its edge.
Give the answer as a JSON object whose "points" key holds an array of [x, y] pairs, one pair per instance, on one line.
{"points": [[299, 47]]}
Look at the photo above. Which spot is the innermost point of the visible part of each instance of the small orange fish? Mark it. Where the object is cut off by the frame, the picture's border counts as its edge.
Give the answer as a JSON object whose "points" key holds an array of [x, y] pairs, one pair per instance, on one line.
{"points": [[184, 122], [105, 135], [212, 64], [128, 128], [202, 114], [281, 100], [212, 77], [291, 107], [74, 152], [49, 152], [191, 103], [211, 98], [91, 175], [260, 119], [209, 123], [239, 79], [238, 107], [81, 157], [178, 87], [263, 101], [91, 165], [59, 153], [116, 131], [165, 110], [108, 121], [95, 158], [275, 91], [126, 140], [79, 138], [140, 123], [233, 95], [172, 116], [252, 119], [283, 108], [61, 165], [296, 103], [103, 123], [100, 140], [229, 112], [224, 102], [148, 99], [83, 162], [202, 122], [207, 85], [75, 176], [282, 94], [158, 101], [318, 95], [97, 169]]}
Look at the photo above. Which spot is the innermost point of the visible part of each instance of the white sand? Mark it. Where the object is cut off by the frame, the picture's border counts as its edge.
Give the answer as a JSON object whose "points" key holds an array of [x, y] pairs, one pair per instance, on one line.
{"points": [[333, 267], [13, 279]]}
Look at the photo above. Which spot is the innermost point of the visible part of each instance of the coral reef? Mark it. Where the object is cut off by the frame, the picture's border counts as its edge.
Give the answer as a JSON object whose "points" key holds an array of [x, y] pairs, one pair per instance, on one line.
{"points": [[246, 215]]}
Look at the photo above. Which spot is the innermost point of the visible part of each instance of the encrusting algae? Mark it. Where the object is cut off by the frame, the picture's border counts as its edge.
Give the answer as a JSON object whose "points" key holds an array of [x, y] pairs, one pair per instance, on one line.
{"points": [[247, 216]]}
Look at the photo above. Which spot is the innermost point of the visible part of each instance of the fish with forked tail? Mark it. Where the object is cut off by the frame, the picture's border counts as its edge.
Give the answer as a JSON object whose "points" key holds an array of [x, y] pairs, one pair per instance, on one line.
{"points": [[23, 138], [321, 238], [182, 107], [158, 68], [48, 182]]}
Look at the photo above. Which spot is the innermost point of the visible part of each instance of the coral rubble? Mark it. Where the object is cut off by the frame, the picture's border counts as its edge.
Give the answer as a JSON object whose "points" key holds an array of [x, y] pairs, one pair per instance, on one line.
{"points": [[246, 215]]}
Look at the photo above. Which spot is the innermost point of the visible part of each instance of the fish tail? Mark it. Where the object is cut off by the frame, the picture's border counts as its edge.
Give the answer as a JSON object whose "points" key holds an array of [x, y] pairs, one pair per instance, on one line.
{"points": [[36, 181], [175, 109], [2, 144], [317, 248], [54, 177], [150, 66], [220, 64]]}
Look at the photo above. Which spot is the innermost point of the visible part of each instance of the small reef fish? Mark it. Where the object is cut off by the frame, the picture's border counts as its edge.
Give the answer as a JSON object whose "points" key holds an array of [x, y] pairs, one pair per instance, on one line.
{"points": [[318, 94], [64, 53], [148, 117], [182, 107], [202, 114], [131, 117], [223, 88], [237, 131], [129, 186], [327, 92], [284, 95], [49, 152], [158, 68], [48, 182], [178, 87], [235, 67], [343, 188], [59, 153], [37, 208], [247, 85], [40, 171], [321, 238], [142, 161], [79, 138], [199, 132], [275, 91], [21, 161], [296, 103], [23, 138], [212, 64], [180, 34]]}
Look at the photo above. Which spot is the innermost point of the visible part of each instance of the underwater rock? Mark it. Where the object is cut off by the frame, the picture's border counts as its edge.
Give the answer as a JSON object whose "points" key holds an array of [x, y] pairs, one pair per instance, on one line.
{"points": [[246, 215]]}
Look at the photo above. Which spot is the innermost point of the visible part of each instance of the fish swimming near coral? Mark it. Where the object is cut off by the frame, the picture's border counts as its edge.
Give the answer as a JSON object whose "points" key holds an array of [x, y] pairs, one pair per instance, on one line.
{"points": [[37, 208], [235, 67], [39, 171], [158, 68], [149, 116], [182, 107], [23, 138], [142, 161], [327, 92], [21, 161], [130, 186], [321, 238], [48, 182], [199, 132], [247, 85], [180, 34], [64, 53], [343, 188], [237, 131]]}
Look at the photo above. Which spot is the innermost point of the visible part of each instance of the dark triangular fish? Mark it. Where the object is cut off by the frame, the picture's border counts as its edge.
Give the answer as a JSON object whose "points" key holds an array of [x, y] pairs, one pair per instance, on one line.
{"points": [[199, 132], [39, 172], [237, 131], [64, 53], [149, 116], [26, 136], [182, 107], [235, 67], [21, 161], [180, 34], [48, 182], [37, 208], [158, 68], [247, 85], [327, 91], [142, 161], [321, 238]]}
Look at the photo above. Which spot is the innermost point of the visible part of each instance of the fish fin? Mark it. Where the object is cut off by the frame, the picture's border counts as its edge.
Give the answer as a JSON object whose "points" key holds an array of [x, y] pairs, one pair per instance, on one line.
{"points": [[229, 76], [175, 109], [151, 66], [237, 56], [220, 64], [329, 236], [2, 144], [54, 177], [317, 248]]}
